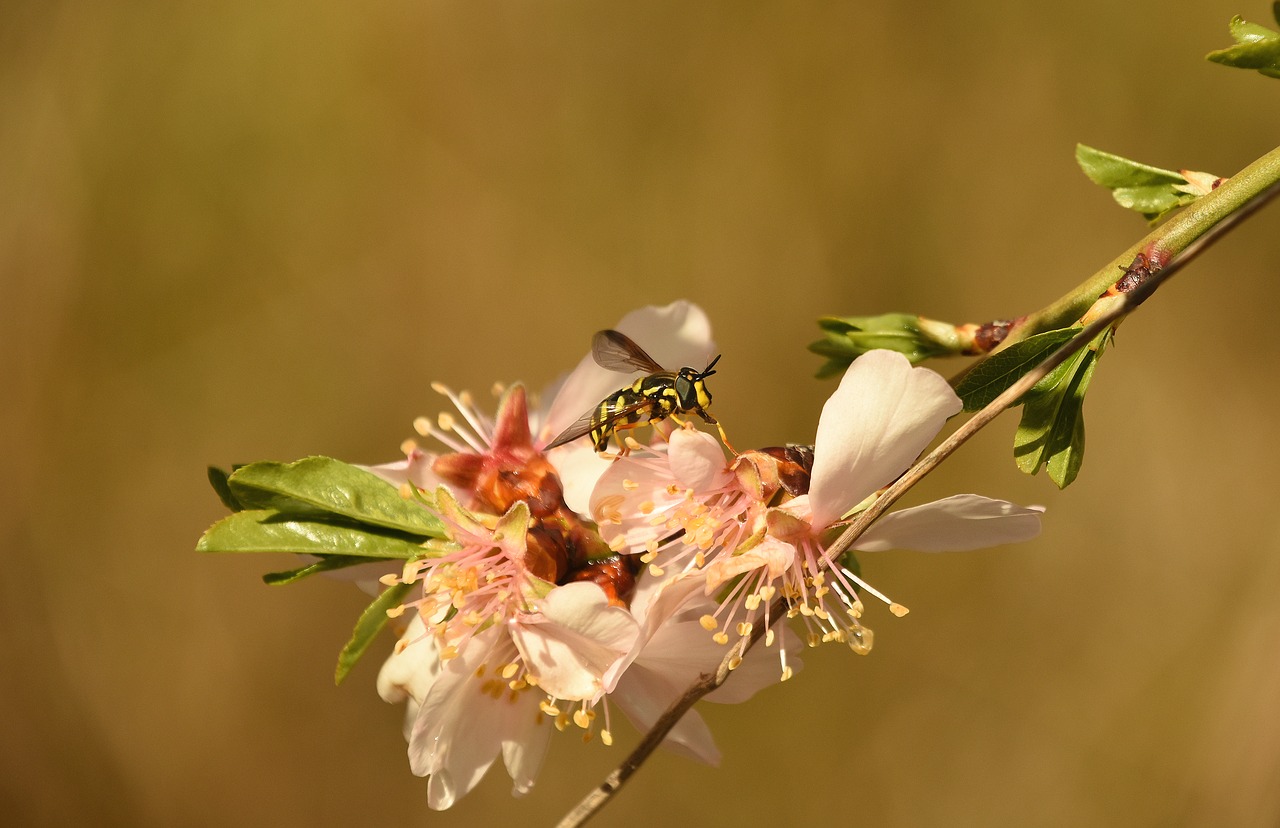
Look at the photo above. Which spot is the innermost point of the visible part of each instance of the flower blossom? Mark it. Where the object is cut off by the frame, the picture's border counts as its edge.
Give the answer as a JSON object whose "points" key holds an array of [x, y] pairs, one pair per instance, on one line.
{"points": [[527, 619], [757, 528]]}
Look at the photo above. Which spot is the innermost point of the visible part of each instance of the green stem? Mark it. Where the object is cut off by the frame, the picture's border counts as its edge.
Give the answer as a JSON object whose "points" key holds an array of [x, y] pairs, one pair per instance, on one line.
{"points": [[1159, 246]]}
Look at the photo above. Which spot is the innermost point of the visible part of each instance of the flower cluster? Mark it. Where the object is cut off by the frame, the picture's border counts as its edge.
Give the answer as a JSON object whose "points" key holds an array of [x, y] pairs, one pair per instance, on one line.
{"points": [[575, 582]]}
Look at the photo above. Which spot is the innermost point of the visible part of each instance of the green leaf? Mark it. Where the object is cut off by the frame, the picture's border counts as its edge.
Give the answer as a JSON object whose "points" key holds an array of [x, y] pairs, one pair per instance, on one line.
{"points": [[1051, 432], [263, 530], [218, 480], [989, 378], [1256, 47], [325, 564], [1145, 189], [324, 485], [371, 622]]}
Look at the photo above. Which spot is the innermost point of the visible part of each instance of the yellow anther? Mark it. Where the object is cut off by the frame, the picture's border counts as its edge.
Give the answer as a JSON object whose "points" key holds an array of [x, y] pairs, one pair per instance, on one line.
{"points": [[720, 638], [744, 628], [581, 719], [630, 485], [708, 622], [768, 638], [423, 426], [656, 571], [735, 663], [395, 612], [606, 737], [786, 673], [510, 670], [898, 610]]}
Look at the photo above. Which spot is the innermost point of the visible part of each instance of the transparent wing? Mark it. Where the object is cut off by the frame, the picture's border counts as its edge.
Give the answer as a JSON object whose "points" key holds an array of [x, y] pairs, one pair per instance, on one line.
{"points": [[617, 352], [583, 424], [579, 428]]}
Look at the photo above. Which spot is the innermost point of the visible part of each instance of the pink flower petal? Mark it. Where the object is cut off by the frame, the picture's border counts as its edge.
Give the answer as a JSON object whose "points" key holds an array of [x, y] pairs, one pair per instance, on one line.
{"points": [[579, 468], [954, 524], [452, 740], [875, 424], [697, 461], [575, 638]]}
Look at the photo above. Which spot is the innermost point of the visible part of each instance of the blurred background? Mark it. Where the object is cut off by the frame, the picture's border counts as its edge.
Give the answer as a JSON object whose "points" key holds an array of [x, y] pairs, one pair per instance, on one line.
{"points": [[235, 231]]}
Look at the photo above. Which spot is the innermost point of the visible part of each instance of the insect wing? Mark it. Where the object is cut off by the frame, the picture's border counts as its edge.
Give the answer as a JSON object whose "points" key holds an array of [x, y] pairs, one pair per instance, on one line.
{"points": [[579, 428], [617, 352], [587, 421]]}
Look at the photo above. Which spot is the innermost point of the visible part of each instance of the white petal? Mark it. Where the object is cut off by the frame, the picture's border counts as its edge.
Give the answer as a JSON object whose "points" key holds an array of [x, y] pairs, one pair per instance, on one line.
{"points": [[676, 335], [411, 671], [644, 695], [574, 640], [528, 737], [579, 469], [697, 461], [453, 740], [955, 524], [880, 418]]}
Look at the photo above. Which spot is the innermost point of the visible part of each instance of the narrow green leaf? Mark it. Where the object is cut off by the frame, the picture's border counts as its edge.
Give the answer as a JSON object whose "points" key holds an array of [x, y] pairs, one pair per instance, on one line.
{"points": [[325, 564], [1051, 432], [1040, 413], [1066, 450], [268, 531], [989, 378], [371, 622], [1140, 187], [327, 485], [218, 480]]}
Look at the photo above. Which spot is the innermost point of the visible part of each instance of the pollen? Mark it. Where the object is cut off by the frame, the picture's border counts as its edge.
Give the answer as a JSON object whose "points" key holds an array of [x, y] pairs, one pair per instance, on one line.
{"points": [[708, 622], [395, 612], [720, 638], [768, 638], [510, 670], [581, 719], [446, 421], [735, 662], [547, 707], [647, 507], [606, 737], [630, 485], [898, 609], [744, 628], [787, 673], [423, 426]]}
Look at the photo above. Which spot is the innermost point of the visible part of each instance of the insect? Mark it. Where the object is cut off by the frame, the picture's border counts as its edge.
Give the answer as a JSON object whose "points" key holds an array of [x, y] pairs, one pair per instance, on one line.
{"points": [[649, 399]]}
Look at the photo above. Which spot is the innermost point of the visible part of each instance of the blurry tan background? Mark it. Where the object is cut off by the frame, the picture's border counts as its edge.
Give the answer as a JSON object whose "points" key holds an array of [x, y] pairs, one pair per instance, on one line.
{"points": [[249, 230]]}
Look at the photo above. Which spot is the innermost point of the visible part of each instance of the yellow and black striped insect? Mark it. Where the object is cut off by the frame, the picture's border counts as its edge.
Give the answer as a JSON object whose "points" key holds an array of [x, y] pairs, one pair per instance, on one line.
{"points": [[649, 399]]}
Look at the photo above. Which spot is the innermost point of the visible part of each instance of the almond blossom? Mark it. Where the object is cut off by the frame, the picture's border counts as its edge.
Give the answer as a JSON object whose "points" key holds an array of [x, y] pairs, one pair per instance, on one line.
{"points": [[752, 535], [528, 619]]}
